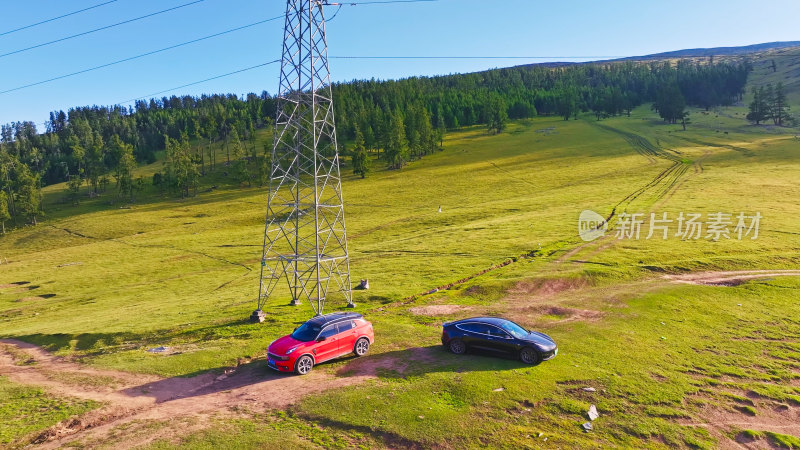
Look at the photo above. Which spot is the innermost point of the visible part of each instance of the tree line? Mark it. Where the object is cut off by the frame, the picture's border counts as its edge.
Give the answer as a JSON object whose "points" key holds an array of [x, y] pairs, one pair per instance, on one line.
{"points": [[397, 121], [521, 92], [769, 103]]}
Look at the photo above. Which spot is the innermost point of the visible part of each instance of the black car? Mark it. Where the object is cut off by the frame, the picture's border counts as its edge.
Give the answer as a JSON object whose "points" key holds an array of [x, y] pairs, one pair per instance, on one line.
{"points": [[498, 335]]}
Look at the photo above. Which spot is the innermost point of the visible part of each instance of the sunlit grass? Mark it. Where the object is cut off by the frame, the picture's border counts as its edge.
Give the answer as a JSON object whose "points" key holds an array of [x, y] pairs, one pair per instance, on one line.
{"points": [[107, 283]]}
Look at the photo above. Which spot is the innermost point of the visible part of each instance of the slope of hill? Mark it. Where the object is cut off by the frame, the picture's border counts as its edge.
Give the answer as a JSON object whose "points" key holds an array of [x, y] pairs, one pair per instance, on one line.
{"points": [[718, 51], [687, 363], [691, 53], [772, 62], [781, 65]]}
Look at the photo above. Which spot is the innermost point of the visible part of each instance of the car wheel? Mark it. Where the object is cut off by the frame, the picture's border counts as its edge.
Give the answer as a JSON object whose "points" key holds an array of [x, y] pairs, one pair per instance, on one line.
{"points": [[362, 347], [303, 365], [457, 346], [530, 356]]}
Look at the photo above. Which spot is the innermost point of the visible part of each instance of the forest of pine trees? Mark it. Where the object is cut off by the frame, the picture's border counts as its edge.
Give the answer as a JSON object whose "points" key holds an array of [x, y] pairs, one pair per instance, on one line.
{"points": [[400, 121]]}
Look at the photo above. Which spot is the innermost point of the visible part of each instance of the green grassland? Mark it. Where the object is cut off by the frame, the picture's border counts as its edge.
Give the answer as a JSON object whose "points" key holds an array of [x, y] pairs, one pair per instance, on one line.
{"points": [[104, 281], [786, 70], [24, 410]]}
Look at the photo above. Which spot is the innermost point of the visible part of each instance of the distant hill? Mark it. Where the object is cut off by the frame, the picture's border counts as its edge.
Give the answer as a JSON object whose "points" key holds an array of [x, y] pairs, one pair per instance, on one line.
{"points": [[774, 66], [689, 53], [715, 51], [773, 62]]}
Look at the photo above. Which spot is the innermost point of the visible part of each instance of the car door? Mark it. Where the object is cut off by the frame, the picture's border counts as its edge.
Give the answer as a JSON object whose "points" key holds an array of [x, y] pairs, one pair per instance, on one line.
{"points": [[475, 335], [499, 340], [327, 345], [347, 336]]}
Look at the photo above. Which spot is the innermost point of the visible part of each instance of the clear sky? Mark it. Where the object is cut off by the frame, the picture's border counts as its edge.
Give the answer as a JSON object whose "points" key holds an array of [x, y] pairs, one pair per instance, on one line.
{"points": [[557, 29]]}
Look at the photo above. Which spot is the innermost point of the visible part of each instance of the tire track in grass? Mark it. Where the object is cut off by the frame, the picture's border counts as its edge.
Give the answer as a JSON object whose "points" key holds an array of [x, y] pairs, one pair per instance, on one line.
{"points": [[162, 246], [698, 169], [647, 149], [742, 150], [675, 172], [664, 183], [132, 400]]}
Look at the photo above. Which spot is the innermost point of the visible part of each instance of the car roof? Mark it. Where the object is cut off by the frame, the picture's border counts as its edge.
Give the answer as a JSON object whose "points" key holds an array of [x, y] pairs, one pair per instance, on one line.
{"points": [[334, 318], [489, 320]]}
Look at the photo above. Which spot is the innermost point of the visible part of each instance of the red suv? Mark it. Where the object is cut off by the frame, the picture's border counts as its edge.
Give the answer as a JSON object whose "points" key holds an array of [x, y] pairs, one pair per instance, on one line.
{"points": [[321, 339]]}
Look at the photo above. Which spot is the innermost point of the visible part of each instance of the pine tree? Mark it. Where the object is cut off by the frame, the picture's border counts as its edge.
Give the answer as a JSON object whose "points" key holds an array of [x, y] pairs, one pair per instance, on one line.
{"points": [[780, 107], [74, 189], [126, 163], [758, 108], [264, 164], [769, 101], [180, 167], [497, 114], [95, 163], [5, 214], [396, 151], [670, 104], [361, 161], [567, 103], [29, 198], [369, 137], [237, 151]]}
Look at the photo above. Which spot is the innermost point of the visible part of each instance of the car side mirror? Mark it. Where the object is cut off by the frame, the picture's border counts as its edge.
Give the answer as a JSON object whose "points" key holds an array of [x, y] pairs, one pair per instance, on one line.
{"points": [[321, 338]]}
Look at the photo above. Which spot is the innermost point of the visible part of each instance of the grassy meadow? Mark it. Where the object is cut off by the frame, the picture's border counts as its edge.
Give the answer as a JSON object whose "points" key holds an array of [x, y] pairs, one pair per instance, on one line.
{"points": [[102, 283]]}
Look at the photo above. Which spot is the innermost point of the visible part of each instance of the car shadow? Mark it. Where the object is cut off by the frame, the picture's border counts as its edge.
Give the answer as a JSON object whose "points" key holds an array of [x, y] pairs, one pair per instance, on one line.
{"points": [[259, 379], [255, 380], [211, 382], [428, 359]]}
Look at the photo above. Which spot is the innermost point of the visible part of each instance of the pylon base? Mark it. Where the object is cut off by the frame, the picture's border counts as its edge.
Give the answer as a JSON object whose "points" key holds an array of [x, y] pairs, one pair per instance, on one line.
{"points": [[258, 316]]}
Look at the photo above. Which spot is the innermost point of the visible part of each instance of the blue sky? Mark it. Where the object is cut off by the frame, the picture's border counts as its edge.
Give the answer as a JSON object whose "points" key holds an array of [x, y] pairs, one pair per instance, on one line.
{"points": [[446, 27]]}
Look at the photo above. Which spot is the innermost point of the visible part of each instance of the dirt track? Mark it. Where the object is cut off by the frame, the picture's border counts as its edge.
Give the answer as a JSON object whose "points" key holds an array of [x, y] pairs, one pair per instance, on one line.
{"points": [[129, 398], [730, 278]]}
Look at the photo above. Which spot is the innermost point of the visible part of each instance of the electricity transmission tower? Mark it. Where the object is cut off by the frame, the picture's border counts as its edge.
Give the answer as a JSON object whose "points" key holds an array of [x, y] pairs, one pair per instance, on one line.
{"points": [[305, 241]]}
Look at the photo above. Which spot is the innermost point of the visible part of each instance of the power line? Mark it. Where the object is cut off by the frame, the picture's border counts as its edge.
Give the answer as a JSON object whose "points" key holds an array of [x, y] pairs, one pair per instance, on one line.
{"points": [[101, 66], [56, 18], [201, 81], [382, 2], [340, 4], [190, 84], [593, 58], [470, 57], [102, 28]]}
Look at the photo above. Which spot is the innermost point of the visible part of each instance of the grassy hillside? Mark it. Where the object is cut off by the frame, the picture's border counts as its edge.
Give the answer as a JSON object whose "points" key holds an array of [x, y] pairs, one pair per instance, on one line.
{"points": [[672, 364], [786, 71]]}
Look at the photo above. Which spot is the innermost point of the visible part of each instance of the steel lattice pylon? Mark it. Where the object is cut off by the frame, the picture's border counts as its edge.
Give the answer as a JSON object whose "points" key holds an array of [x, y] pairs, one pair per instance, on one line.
{"points": [[304, 238]]}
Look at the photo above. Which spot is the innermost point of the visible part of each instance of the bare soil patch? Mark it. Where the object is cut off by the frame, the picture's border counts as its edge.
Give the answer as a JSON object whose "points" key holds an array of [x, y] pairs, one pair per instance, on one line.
{"points": [[729, 278], [722, 424], [536, 301], [548, 287], [725, 422], [555, 314], [438, 310], [130, 399], [398, 361]]}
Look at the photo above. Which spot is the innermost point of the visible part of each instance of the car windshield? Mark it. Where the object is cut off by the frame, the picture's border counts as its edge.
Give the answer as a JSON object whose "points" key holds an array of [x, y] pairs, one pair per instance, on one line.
{"points": [[306, 332], [515, 330]]}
